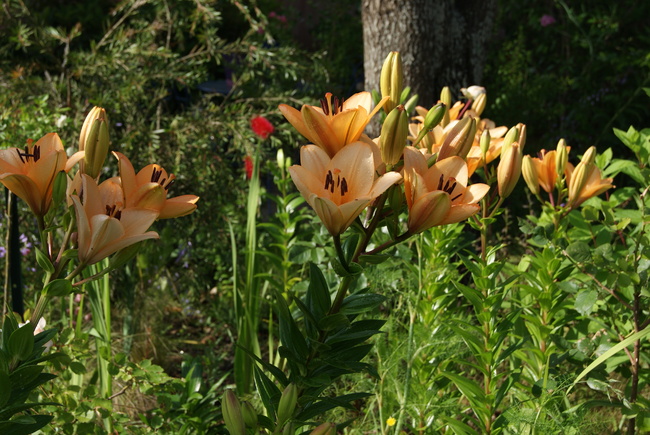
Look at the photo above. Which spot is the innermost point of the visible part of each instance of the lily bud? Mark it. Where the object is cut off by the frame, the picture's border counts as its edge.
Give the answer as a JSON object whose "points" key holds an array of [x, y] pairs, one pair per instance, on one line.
{"points": [[522, 136], [530, 174], [287, 403], [578, 180], [445, 98], [459, 140], [249, 414], [393, 135], [479, 104], [59, 188], [509, 170], [94, 140], [232, 413], [484, 143], [432, 118], [511, 136], [590, 156], [410, 105], [561, 157], [324, 429], [390, 80]]}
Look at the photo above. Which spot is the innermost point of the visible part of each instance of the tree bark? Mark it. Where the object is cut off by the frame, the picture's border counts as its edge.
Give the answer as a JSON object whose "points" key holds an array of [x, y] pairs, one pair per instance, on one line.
{"points": [[441, 42]]}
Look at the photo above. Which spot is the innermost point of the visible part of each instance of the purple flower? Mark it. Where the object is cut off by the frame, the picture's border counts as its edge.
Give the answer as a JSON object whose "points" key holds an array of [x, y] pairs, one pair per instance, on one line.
{"points": [[547, 20], [3, 252]]}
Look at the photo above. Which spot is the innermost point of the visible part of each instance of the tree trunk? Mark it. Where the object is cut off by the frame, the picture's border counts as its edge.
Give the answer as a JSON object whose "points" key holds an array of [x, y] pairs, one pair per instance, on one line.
{"points": [[441, 42]]}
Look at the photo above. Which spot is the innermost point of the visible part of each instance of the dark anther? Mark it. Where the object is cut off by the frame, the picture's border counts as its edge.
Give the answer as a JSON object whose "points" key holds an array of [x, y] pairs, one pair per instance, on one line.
{"points": [[20, 155], [456, 197], [442, 178], [324, 106], [155, 175], [344, 187], [169, 184], [329, 181], [36, 155]]}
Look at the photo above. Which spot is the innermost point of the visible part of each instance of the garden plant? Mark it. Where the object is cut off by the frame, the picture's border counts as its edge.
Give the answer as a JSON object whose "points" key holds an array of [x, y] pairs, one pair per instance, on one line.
{"points": [[451, 275]]}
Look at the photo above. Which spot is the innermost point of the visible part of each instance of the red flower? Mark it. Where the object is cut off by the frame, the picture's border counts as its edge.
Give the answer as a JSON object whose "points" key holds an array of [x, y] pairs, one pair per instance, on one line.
{"points": [[262, 127], [248, 166]]}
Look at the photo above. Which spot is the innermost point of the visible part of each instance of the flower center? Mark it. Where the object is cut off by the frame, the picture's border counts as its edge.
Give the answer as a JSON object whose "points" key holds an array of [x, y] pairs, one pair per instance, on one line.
{"points": [[449, 186], [36, 154], [341, 182], [155, 178], [114, 212], [331, 106]]}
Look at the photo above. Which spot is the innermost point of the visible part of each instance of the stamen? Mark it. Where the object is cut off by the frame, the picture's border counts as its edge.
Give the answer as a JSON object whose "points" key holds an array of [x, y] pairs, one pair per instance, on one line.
{"points": [[344, 187], [324, 106], [155, 175], [37, 153], [329, 180], [170, 184], [442, 178], [20, 155], [456, 197]]}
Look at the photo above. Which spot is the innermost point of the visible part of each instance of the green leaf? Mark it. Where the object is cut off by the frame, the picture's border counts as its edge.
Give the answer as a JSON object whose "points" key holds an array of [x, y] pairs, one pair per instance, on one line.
{"points": [[269, 393], [361, 303], [334, 321], [21, 342], [585, 301], [614, 350], [58, 287], [579, 251], [5, 389], [318, 294], [44, 262]]}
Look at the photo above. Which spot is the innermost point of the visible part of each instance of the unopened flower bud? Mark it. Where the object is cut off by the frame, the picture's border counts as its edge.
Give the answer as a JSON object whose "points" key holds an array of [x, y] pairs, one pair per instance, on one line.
{"points": [[590, 156], [530, 174], [445, 98], [94, 140], [324, 429], [459, 140], [473, 92], [287, 403], [390, 80], [479, 104], [521, 139], [393, 135], [509, 170], [410, 105], [578, 180], [59, 188], [232, 413], [484, 143], [249, 414], [561, 157], [431, 119], [511, 136]]}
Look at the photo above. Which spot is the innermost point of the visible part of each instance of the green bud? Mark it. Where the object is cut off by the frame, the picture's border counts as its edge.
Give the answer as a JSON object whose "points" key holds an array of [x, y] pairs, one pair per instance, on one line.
{"points": [[232, 413], [393, 135], [485, 142], [590, 156], [287, 404], [94, 140], [59, 188], [561, 157], [390, 80], [530, 174], [459, 140], [445, 98], [432, 118], [409, 106], [249, 414], [511, 136]]}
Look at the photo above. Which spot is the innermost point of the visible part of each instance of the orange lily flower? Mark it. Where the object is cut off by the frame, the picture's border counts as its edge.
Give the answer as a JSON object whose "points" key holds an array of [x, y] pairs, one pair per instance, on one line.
{"points": [[546, 171], [336, 123], [339, 188], [30, 173], [438, 195], [104, 226], [148, 189], [593, 186]]}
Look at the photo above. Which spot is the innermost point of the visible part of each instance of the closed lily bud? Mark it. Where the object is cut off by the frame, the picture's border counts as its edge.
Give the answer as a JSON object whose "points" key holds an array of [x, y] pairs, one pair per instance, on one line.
{"points": [[393, 135], [511, 136], [479, 104], [94, 140], [232, 413], [530, 174], [459, 140], [484, 143], [249, 414], [578, 179], [390, 80], [561, 157], [59, 188], [522, 136], [445, 98], [324, 429], [590, 156], [509, 170], [287, 404], [432, 118]]}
